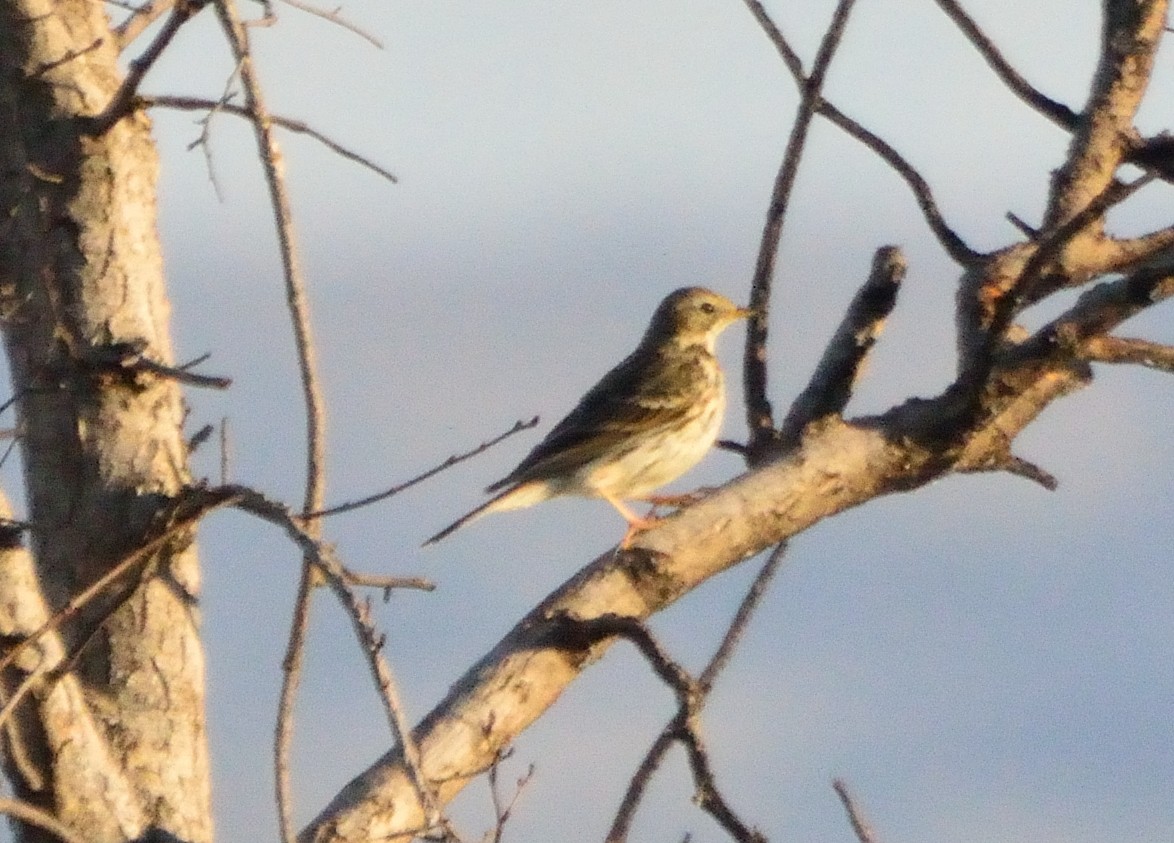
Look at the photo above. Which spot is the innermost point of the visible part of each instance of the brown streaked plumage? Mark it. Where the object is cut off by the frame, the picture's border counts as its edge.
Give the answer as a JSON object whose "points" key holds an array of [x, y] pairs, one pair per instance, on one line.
{"points": [[647, 422]]}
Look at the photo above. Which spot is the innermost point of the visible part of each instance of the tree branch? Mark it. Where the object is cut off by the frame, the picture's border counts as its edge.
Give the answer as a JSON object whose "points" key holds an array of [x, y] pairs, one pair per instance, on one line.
{"points": [[31, 814], [1130, 36], [618, 833], [140, 18], [298, 126], [518, 427], [759, 416], [830, 387], [1058, 113], [1103, 349], [335, 17], [954, 245], [860, 826], [314, 402], [122, 103]]}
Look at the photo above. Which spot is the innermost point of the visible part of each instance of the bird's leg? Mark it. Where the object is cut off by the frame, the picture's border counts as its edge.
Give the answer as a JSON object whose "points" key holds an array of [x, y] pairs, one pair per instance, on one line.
{"points": [[636, 523]]}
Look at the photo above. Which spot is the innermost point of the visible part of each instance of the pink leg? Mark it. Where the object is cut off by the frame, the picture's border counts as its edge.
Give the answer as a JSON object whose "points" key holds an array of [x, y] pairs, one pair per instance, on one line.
{"points": [[636, 523]]}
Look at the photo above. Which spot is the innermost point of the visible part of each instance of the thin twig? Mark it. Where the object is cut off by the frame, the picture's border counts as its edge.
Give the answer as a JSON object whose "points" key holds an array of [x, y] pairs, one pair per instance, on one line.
{"points": [[122, 103], [860, 826], [225, 451], [181, 103], [21, 691], [314, 402], [746, 608], [8, 450], [179, 374], [322, 558], [706, 792], [709, 674], [138, 556], [386, 583], [420, 478], [1058, 113], [759, 416], [954, 245], [291, 672], [140, 18], [337, 19], [503, 810]]}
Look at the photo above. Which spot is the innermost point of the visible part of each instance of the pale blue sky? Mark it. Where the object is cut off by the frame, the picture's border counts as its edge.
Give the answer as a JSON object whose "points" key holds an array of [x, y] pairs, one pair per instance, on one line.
{"points": [[981, 660]]}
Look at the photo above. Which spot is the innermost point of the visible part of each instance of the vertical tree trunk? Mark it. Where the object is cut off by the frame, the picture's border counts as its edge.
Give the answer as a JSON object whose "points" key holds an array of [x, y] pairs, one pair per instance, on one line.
{"points": [[81, 285]]}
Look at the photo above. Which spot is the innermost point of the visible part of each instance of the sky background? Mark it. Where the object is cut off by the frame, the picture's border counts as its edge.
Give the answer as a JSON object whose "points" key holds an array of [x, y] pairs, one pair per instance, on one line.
{"points": [[981, 660]]}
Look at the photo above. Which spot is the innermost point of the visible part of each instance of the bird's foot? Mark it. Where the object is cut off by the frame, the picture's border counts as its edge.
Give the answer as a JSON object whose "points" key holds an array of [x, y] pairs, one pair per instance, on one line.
{"points": [[635, 528]]}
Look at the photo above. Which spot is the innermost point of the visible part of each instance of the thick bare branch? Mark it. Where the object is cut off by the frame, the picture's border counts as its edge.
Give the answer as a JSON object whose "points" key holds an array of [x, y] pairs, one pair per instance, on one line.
{"points": [[830, 387], [1131, 32], [1098, 310]]}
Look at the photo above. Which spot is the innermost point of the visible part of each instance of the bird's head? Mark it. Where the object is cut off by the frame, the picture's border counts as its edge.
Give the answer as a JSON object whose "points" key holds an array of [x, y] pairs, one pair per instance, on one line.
{"points": [[693, 316]]}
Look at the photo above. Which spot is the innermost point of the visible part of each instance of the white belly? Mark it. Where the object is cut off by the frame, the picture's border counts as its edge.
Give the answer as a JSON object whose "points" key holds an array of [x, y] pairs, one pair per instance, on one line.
{"points": [[655, 460]]}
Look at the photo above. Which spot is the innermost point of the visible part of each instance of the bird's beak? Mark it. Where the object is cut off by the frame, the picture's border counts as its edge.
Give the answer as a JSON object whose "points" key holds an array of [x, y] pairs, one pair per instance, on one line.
{"points": [[745, 313]]}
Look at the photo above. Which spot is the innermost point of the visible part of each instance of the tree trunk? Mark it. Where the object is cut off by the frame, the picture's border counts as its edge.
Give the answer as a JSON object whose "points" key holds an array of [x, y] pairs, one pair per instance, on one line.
{"points": [[82, 302]]}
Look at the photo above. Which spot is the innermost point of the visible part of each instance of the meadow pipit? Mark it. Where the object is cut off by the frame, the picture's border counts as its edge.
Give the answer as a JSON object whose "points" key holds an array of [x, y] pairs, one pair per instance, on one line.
{"points": [[651, 419]]}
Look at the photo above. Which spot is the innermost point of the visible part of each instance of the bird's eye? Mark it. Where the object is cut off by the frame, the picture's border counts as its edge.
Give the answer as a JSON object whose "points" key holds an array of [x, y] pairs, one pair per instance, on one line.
{"points": [[707, 307]]}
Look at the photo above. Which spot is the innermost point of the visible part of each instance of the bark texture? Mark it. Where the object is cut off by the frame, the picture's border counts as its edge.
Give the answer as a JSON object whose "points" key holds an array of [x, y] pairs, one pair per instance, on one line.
{"points": [[82, 299]]}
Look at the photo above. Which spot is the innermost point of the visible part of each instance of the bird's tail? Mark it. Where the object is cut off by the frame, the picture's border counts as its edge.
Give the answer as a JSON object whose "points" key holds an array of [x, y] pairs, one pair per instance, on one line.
{"points": [[515, 497]]}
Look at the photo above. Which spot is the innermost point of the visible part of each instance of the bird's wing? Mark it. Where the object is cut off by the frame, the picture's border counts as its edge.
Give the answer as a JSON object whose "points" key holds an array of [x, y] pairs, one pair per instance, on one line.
{"points": [[637, 397]]}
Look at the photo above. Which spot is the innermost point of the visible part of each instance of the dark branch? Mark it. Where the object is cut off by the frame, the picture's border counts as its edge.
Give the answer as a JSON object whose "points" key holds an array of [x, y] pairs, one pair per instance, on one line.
{"points": [[759, 416], [128, 357], [693, 705], [954, 245], [140, 18], [957, 248], [122, 103], [298, 126], [420, 478], [860, 826], [706, 792], [1058, 113], [831, 385], [1098, 311], [337, 19]]}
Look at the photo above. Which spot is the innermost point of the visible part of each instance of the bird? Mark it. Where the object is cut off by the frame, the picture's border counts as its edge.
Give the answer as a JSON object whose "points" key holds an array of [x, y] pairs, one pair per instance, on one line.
{"points": [[648, 420]]}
